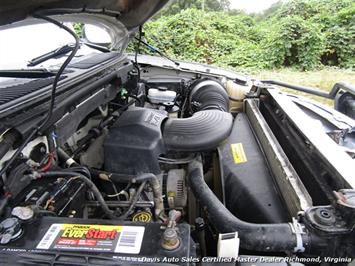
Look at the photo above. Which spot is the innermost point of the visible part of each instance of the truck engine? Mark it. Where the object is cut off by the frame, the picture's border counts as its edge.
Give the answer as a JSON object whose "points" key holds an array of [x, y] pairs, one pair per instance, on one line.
{"points": [[170, 166]]}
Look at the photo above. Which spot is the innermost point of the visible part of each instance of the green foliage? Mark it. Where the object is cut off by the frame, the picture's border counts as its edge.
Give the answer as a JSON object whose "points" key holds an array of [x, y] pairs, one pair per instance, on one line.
{"points": [[340, 38], [299, 33], [294, 42], [206, 5], [78, 28]]}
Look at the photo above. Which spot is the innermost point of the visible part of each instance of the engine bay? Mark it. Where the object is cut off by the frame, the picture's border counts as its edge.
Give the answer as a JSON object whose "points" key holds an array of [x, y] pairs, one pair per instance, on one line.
{"points": [[164, 168]]}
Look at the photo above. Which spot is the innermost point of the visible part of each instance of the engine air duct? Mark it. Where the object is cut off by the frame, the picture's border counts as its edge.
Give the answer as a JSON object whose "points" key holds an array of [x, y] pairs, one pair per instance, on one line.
{"points": [[209, 125], [203, 131]]}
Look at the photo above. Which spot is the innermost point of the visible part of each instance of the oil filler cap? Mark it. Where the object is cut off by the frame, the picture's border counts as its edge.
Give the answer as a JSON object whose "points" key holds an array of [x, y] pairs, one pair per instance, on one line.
{"points": [[142, 216]]}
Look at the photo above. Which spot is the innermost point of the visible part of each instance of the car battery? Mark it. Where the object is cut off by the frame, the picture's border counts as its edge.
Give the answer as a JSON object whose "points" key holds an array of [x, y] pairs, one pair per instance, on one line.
{"points": [[82, 241]]}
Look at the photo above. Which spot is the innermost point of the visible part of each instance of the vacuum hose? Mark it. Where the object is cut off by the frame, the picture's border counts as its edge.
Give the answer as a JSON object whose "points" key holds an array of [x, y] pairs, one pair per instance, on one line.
{"points": [[209, 125], [257, 237]]}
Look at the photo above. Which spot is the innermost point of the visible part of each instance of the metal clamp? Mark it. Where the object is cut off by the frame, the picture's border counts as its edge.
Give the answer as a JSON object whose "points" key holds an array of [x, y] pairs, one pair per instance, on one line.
{"points": [[298, 230]]}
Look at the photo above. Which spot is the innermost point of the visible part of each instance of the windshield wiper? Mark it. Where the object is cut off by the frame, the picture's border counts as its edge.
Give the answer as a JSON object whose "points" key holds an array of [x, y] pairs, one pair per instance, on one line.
{"points": [[27, 73], [62, 51], [97, 47], [52, 54]]}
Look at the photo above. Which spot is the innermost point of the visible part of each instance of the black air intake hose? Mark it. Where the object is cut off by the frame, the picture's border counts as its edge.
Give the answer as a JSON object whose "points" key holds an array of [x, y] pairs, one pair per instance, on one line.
{"points": [[209, 95], [203, 131], [257, 237], [210, 124]]}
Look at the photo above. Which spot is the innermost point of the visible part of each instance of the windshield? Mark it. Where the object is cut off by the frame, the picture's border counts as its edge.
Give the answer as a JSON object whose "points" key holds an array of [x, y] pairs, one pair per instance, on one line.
{"points": [[20, 45]]}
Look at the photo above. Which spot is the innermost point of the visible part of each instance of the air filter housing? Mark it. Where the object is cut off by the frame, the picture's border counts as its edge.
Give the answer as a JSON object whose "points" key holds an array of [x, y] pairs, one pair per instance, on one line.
{"points": [[135, 142]]}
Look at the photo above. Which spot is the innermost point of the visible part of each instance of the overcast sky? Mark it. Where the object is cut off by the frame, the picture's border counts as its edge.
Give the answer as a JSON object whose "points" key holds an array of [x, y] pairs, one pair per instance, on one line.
{"points": [[251, 6]]}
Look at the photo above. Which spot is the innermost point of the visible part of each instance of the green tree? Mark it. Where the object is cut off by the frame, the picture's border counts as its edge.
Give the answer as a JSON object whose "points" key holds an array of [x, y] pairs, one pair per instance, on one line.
{"points": [[207, 5], [302, 34]]}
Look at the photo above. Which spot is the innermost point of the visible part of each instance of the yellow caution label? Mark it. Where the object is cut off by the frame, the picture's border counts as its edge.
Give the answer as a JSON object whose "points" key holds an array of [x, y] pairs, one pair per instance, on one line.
{"points": [[143, 216], [238, 153]]}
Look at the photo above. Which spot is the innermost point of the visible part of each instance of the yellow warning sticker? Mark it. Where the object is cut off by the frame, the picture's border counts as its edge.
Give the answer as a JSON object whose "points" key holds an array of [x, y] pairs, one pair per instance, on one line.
{"points": [[238, 153]]}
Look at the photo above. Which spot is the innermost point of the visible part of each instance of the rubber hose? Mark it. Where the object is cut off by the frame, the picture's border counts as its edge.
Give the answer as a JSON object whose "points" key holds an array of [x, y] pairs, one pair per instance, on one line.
{"points": [[205, 130], [89, 183], [157, 191], [207, 127], [256, 237], [154, 182], [208, 94], [64, 157], [133, 202]]}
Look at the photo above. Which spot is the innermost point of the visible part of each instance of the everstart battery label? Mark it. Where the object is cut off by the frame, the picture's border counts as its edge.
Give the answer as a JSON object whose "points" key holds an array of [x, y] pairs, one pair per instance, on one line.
{"points": [[94, 238]]}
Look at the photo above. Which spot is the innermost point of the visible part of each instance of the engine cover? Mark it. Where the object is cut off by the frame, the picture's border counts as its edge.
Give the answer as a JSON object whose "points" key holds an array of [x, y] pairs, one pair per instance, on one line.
{"points": [[135, 142]]}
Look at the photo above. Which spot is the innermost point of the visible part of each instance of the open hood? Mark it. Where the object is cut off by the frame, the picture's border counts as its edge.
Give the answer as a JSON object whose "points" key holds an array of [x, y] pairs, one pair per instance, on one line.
{"points": [[131, 13]]}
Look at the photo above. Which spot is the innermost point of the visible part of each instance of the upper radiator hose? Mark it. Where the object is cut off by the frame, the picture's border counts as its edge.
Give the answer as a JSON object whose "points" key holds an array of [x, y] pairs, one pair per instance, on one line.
{"points": [[210, 124]]}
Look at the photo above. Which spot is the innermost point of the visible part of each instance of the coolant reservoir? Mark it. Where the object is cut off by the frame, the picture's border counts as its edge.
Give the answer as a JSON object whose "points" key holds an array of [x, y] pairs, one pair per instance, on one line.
{"points": [[237, 94], [161, 95]]}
